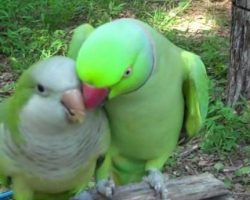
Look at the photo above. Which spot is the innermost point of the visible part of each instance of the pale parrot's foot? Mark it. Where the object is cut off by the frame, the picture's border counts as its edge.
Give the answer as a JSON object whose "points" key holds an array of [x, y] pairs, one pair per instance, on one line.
{"points": [[106, 187], [82, 196], [157, 181]]}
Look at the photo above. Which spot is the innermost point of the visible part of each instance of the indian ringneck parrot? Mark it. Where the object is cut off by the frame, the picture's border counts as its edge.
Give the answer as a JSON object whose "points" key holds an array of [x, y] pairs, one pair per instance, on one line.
{"points": [[49, 142], [150, 88]]}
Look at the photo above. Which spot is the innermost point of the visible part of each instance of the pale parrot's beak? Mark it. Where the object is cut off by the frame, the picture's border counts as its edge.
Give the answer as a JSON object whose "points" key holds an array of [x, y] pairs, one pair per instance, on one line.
{"points": [[94, 97], [72, 100]]}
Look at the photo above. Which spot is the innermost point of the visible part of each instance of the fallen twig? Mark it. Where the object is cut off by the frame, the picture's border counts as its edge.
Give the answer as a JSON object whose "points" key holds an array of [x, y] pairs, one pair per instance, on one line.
{"points": [[189, 151]]}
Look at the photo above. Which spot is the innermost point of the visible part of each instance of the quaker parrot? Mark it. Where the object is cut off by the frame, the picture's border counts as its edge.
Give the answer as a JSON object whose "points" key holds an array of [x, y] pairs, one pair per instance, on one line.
{"points": [[150, 88], [49, 142]]}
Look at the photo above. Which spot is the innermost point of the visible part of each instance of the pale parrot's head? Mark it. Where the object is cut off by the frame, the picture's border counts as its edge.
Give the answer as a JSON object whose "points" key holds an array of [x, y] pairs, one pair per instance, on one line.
{"points": [[48, 94], [117, 58]]}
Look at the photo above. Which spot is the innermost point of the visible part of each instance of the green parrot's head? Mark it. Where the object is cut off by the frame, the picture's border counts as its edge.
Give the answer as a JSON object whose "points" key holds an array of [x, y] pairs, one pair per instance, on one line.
{"points": [[117, 58], [48, 94]]}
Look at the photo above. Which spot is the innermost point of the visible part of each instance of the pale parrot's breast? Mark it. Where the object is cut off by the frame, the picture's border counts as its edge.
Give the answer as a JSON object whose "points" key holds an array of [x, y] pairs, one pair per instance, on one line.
{"points": [[59, 162]]}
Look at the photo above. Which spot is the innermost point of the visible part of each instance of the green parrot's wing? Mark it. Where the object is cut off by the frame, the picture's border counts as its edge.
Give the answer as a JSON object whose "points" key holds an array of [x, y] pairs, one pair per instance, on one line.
{"points": [[195, 89], [80, 34]]}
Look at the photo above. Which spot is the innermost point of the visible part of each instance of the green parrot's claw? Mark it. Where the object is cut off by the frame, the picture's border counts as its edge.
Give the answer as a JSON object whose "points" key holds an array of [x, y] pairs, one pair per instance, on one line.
{"points": [[157, 181], [106, 188], [82, 196]]}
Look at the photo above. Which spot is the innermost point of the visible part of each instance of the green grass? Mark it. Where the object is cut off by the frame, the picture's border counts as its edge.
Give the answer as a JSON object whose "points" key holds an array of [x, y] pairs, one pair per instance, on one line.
{"points": [[224, 129], [31, 30]]}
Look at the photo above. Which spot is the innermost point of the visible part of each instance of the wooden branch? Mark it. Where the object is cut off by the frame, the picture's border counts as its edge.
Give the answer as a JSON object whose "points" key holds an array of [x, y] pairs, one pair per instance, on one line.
{"points": [[204, 186], [189, 151]]}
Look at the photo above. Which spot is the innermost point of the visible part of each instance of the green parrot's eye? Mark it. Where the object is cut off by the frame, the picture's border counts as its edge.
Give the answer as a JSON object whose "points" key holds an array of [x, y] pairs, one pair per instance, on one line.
{"points": [[127, 72]]}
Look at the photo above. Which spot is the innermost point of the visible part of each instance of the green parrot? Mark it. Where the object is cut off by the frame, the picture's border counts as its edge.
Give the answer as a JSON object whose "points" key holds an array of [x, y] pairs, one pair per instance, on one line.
{"points": [[49, 142], [150, 88]]}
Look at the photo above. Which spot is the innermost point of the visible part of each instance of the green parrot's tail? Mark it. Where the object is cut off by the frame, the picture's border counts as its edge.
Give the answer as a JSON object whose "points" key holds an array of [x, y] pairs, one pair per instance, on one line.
{"points": [[80, 34]]}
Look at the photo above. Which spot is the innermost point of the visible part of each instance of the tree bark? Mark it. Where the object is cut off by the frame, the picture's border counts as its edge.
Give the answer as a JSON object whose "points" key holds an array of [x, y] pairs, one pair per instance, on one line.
{"points": [[200, 187], [239, 70]]}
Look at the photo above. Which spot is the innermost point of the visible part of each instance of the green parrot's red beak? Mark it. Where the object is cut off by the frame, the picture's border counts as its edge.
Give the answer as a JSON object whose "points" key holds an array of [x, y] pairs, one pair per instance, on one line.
{"points": [[94, 97]]}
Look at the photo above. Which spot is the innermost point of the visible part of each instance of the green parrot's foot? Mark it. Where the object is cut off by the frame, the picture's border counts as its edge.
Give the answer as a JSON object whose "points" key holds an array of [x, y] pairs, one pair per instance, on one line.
{"points": [[106, 188], [157, 181], [82, 196]]}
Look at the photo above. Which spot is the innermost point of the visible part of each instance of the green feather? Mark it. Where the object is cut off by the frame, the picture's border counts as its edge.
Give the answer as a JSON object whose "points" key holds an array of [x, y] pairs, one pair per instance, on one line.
{"points": [[80, 34], [13, 105], [195, 89]]}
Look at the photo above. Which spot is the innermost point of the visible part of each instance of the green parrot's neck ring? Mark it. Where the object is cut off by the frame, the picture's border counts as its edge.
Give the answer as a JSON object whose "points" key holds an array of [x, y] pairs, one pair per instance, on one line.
{"points": [[152, 44], [153, 66]]}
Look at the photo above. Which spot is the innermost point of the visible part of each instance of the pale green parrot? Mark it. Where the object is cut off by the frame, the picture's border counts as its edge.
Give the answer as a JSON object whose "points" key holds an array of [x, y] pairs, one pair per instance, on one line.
{"points": [[151, 88], [49, 143]]}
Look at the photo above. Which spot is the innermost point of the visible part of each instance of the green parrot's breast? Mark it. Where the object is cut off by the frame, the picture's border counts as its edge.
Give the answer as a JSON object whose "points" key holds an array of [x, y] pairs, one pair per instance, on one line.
{"points": [[146, 130]]}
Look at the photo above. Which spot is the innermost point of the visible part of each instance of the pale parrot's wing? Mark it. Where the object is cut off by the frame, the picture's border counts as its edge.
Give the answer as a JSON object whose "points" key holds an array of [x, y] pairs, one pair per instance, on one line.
{"points": [[3, 178], [195, 89], [80, 34], [2, 111]]}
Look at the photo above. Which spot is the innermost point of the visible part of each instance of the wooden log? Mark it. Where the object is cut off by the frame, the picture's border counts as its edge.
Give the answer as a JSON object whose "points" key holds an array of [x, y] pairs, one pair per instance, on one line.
{"points": [[204, 186]]}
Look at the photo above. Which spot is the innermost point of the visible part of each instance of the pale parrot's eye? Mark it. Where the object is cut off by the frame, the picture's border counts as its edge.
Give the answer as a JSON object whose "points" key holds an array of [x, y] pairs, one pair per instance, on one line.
{"points": [[127, 72], [41, 90]]}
